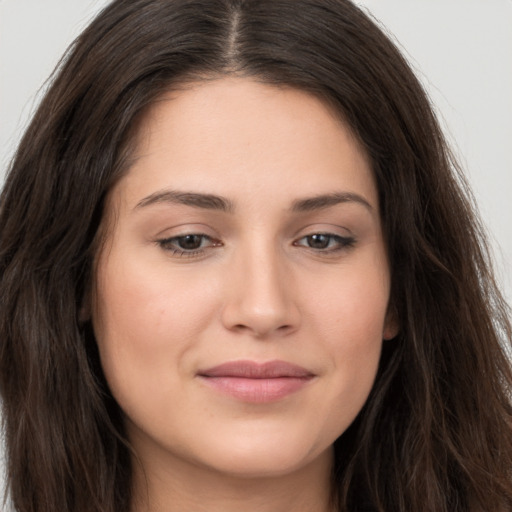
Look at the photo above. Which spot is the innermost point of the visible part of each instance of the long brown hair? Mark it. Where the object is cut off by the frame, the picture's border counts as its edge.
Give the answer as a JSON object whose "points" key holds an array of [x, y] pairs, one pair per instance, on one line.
{"points": [[436, 431]]}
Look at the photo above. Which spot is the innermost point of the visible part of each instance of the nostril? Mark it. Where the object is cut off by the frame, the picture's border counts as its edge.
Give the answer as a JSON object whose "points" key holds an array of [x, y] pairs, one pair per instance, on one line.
{"points": [[261, 331]]}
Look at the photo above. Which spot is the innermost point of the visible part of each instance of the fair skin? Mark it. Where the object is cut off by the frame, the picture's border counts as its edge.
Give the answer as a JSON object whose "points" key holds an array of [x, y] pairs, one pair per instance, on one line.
{"points": [[241, 298]]}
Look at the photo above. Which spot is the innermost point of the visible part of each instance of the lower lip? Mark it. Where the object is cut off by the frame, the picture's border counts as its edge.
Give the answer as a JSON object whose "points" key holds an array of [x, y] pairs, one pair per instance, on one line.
{"points": [[257, 390]]}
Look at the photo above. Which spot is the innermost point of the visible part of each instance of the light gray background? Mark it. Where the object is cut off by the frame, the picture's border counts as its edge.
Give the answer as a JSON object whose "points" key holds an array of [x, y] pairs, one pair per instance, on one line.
{"points": [[461, 49]]}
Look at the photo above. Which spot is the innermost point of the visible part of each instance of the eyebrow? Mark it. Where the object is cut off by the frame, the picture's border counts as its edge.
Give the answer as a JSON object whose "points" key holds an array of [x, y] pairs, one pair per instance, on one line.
{"points": [[327, 200], [196, 200], [214, 202]]}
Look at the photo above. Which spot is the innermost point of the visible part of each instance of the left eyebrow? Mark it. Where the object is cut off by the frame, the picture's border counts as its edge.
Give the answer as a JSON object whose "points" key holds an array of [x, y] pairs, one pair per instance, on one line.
{"points": [[327, 200], [195, 200]]}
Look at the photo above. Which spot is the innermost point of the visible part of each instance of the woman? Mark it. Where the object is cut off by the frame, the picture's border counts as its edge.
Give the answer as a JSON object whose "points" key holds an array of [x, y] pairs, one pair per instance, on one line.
{"points": [[238, 269]]}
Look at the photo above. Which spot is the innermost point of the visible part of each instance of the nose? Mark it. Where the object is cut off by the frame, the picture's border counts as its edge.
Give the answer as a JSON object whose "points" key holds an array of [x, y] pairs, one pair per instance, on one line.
{"points": [[261, 301]]}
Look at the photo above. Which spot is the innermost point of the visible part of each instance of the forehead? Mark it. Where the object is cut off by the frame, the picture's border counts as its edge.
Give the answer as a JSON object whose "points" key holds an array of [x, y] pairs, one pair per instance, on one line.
{"points": [[235, 134]]}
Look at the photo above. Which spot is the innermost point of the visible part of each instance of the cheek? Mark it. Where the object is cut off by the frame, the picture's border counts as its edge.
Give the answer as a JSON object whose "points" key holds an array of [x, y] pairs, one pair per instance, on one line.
{"points": [[134, 296], [350, 308], [350, 313], [145, 323]]}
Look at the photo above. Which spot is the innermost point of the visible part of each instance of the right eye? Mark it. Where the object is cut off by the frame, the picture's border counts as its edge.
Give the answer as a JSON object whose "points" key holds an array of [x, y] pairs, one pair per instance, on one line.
{"points": [[188, 245], [325, 242]]}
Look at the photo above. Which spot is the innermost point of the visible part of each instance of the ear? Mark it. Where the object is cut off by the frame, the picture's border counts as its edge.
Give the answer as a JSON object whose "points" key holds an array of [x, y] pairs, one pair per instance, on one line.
{"points": [[391, 325]]}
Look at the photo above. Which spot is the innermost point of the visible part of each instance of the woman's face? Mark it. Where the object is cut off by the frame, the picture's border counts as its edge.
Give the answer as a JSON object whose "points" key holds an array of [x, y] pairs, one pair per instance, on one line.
{"points": [[241, 297]]}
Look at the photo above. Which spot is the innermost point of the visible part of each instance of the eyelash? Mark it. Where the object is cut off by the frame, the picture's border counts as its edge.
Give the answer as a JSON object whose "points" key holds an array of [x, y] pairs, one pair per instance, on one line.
{"points": [[170, 244], [341, 243]]}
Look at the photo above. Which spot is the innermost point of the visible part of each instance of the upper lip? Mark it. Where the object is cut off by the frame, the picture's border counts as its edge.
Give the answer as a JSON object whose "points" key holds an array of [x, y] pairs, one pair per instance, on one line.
{"points": [[255, 370]]}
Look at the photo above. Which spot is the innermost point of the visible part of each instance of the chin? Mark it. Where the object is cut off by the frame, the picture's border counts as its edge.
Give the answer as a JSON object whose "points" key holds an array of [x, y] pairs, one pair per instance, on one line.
{"points": [[265, 456]]}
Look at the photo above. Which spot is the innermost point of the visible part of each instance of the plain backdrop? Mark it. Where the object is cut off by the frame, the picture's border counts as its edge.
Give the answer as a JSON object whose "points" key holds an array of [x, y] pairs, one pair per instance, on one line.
{"points": [[460, 49]]}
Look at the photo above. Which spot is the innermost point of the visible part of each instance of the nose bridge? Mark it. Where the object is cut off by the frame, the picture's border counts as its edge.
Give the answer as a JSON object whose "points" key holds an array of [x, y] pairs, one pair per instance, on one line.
{"points": [[261, 300]]}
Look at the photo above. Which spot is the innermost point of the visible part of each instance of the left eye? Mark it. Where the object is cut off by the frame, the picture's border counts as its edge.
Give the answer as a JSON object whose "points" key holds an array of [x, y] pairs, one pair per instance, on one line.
{"points": [[189, 243], [325, 242]]}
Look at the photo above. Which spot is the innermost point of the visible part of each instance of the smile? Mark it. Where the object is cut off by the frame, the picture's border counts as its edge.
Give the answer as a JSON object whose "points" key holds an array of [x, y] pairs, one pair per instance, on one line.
{"points": [[254, 382]]}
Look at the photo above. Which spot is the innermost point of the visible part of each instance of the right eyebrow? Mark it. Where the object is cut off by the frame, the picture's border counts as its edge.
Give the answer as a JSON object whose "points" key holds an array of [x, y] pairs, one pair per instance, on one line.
{"points": [[327, 200], [194, 199]]}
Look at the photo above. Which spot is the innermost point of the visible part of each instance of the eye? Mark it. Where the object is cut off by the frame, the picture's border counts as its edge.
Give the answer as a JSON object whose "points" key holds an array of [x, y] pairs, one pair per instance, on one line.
{"points": [[325, 242], [190, 244]]}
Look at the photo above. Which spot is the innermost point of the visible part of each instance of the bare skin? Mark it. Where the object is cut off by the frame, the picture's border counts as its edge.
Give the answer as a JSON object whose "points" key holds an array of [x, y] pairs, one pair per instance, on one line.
{"points": [[177, 490], [241, 298]]}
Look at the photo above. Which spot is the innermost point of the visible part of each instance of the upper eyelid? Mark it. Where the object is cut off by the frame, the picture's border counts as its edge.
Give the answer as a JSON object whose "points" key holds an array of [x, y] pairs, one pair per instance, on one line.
{"points": [[186, 229], [212, 242], [320, 228], [326, 233], [296, 236], [177, 237], [341, 238], [217, 242]]}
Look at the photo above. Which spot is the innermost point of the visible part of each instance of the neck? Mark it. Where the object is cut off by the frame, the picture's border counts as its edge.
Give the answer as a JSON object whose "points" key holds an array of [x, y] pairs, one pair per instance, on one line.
{"points": [[184, 487]]}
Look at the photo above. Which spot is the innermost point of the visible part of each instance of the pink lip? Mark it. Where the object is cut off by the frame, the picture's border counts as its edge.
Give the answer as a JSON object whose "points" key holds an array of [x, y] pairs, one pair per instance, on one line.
{"points": [[254, 382]]}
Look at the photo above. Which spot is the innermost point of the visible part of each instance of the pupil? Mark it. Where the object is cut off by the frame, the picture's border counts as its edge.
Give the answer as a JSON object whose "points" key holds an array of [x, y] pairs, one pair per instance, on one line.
{"points": [[190, 242], [318, 241]]}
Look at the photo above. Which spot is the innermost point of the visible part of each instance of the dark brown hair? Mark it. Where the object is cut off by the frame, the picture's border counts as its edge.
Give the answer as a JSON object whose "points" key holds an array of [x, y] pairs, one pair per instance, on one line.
{"points": [[436, 432]]}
